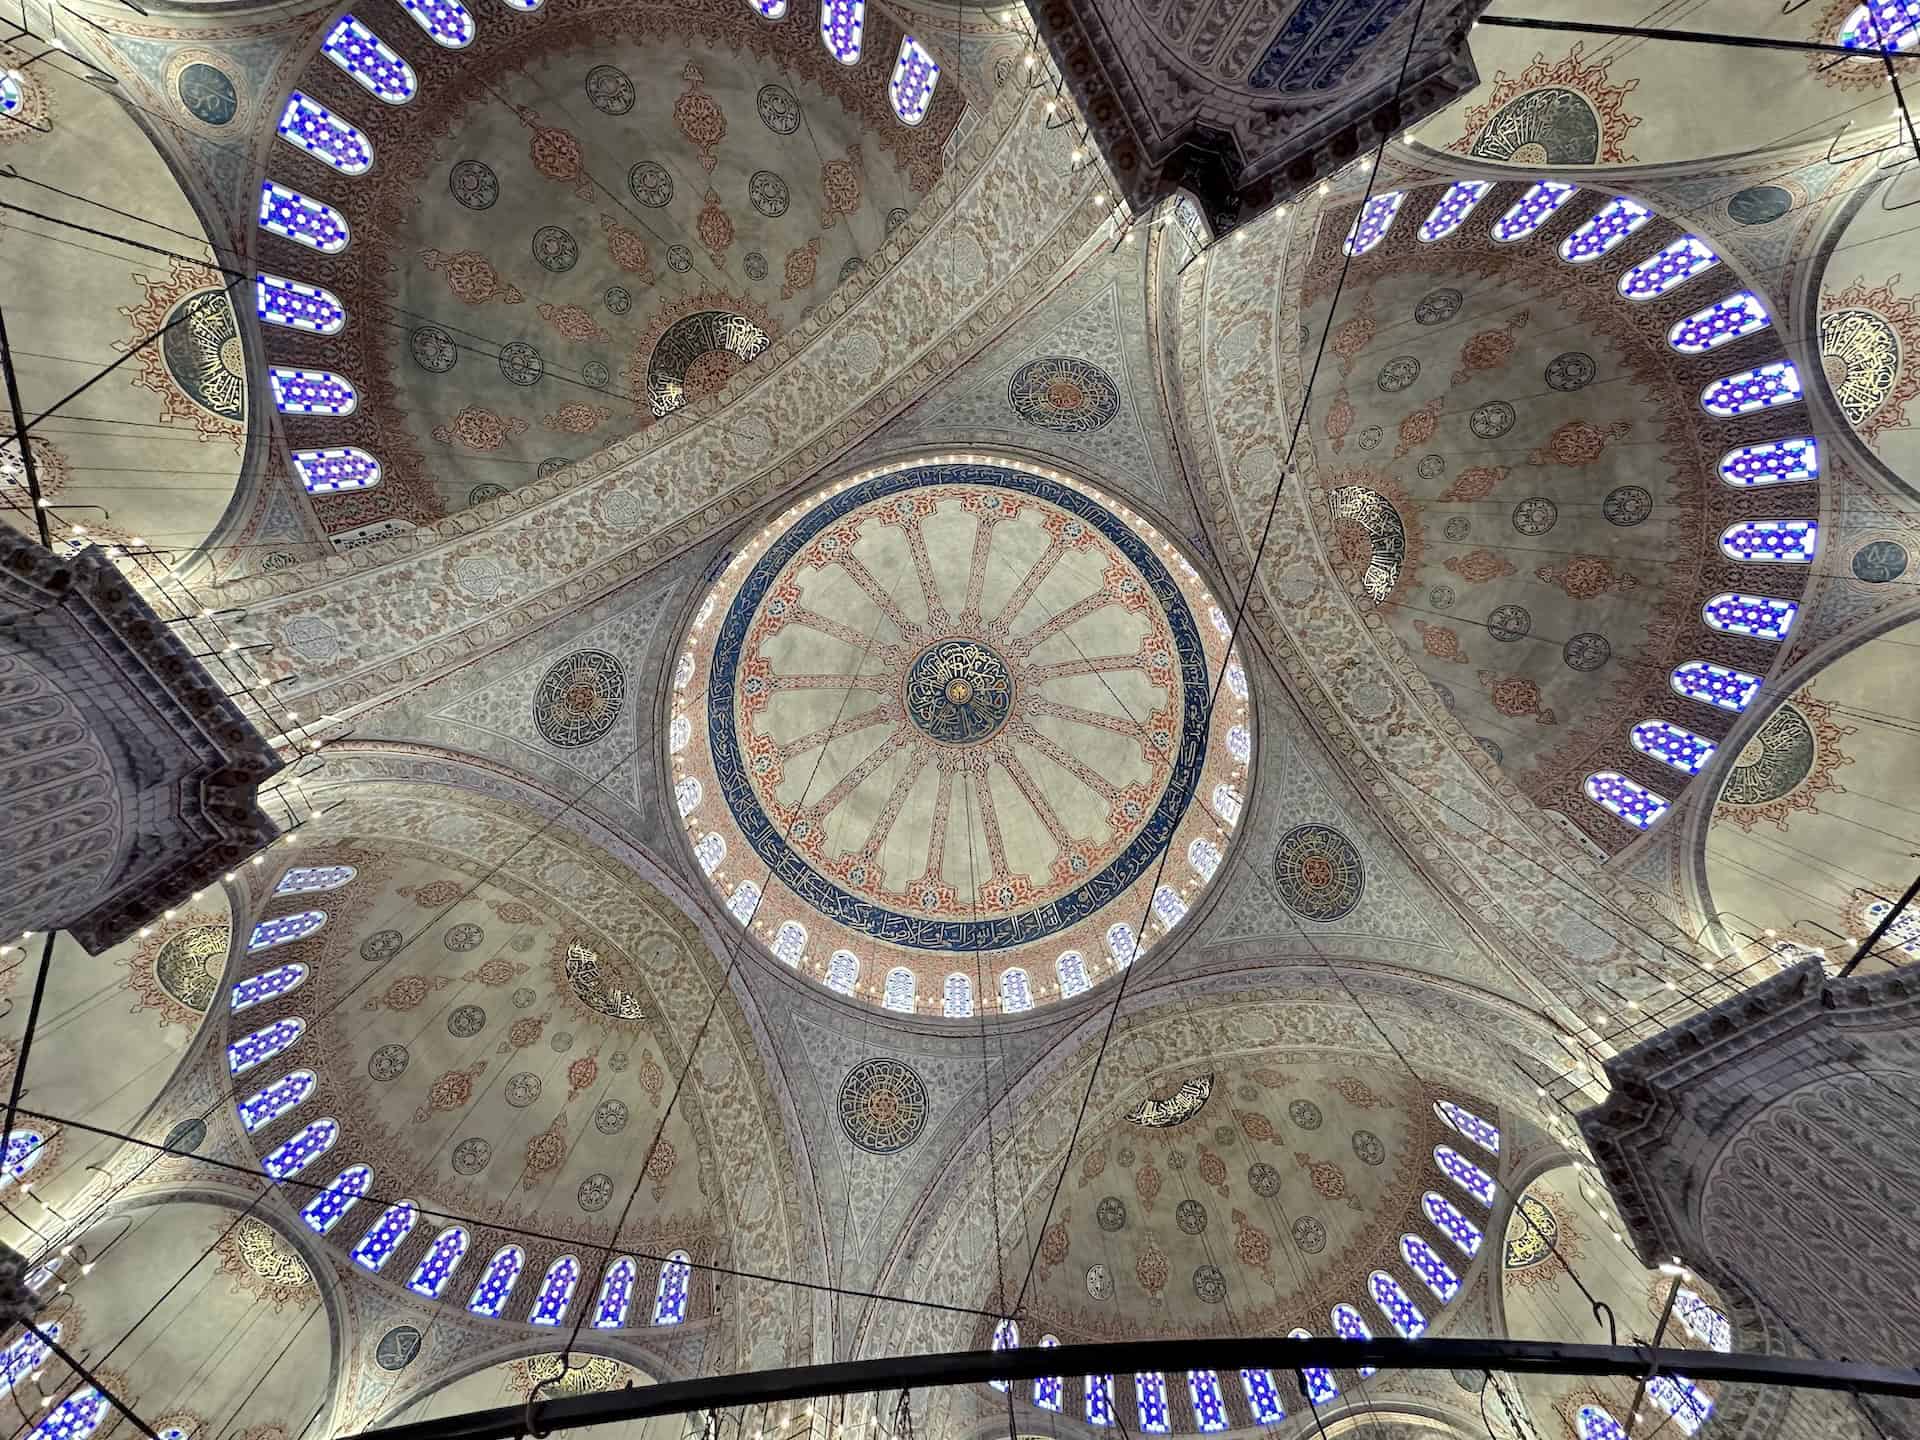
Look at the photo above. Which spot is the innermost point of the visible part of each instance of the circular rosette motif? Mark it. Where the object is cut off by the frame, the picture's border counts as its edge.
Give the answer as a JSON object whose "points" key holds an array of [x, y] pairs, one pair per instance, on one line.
{"points": [[883, 1106], [1063, 394], [959, 691]]}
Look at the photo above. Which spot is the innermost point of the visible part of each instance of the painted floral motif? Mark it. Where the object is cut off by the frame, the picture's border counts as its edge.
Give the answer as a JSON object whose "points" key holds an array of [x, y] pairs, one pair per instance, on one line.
{"points": [[1578, 443], [715, 227], [1146, 1183], [1787, 766], [840, 187], [450, 1091], [576, 418], [1585, 576], [1329, 1180], [434, 895], [627, 249], [546, 1153], [1475, 483], [1354, 334], [1516, 696], [479, 428], [1441, 642], [1571, 72], [1357, 1093], [1418, 428], [1490, 349], [799, 269], [1151, 1269], [1339, 419], [556, 154], [471, 277], [699, 117], [572, 322], [1480, 566], [407, 992], [1250, 1242]]}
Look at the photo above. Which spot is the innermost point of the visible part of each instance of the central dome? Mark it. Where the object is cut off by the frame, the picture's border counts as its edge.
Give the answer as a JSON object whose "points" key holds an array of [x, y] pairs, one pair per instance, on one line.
{"points": [[958, 710]]}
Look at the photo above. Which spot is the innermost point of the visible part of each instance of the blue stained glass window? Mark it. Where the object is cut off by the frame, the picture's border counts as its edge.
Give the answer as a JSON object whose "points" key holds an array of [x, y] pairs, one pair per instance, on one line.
{"points": [[556, 1291], [1015, 993], [1790, 542], [1100, 1399], [527, 6], [670, 1296], [312, 392], [24, 1148], [1049, 1390], [1072, 969], [490, 1296], [447, 22], [1594, 1423], [12, 93], [1763, 388], [1321, 1386], [260, 1110], [1760, 616], [843, 971], [1608, 227], [1703, 1322], [293, 216], [385, 1235], [616, 1294], [443, 1257], [1006, 1336], [268, 985], [1445, 218], [1741, 313], [898, 994], [841, 22], [957, 997], [1373, 222], [26, 1355], [285, 1161], [1348, 1325], [1715, 684], [262, 1045], [1883, 24], [74, 1418], [1447, 1218], [770, 9], [370, 61], [328, 472], [1464, 1173], [1532, 210], [1150, 1393], [1619, 796], [1778, 462], [305, 879], [1209, 1407], [915, 73], [1482, 1132], [1678, 263], [1682, 1399], [308, 125], [1263, 1396], [298, 306], [284, 929], [330, 1206], [1396, 1305], [1670, 745], [1121, 944], [1434, 1272]]}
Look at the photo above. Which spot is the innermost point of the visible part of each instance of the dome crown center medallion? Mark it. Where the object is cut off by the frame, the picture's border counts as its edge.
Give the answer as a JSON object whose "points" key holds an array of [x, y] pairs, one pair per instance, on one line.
{"points": [[959, 691]]}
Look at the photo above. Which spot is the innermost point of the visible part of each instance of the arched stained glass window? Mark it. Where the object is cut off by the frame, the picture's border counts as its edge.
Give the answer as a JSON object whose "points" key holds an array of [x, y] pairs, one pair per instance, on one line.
{"points": [[1100, 1399], [1121, 945], [1778, 462], [298, 306], [1593, 1423], [1706, 1324], [285, 929], [1678, 263], [1445, 218], [447, 22], [1482, 1132], [1168, 908], [1072, 970], [1686, 1402], [308, 125], [556, 1291], [525, 6], [1532, 210], [74, 1418], [843, 970], [915, 73], [1715, 685], [497, 1281], [1240, 744], [770, 9], [1373, 222], [306, 879], [1396, 1305], [1015, 993], [745, 900], [1226, 804], [373, 64], [330, 1206], [1447, 1218], [268, 985], [841, 24], [1883, 24], [385, 1235], [1434, 1272], [1741, 313], [285, 1161], [329, 472], [1905, 930], [262, 1045], [1321, 1388], [1348, 1325], [687, 794], [670, 1295], [1263, 1396], [27, 1354], [898, 994], [1760, 616], [1670, 745], [1150, 1395], [265, 1106], [443, 1257], [957, 996], [711, 850], [1464, 1173], [1625, 799], [1783, 542], [790, 942], [23, 1152], [679, 732], [1209, 1406], [311, 392], [292, 216], [1049, 1390], [1608, 227], [616, 1294], [1237, 679], [1006, 1336], [1204, 856], [1765, 387]]}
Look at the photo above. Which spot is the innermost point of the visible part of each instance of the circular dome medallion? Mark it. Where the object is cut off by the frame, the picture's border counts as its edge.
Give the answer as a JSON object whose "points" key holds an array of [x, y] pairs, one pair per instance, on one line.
{"points": [[1063, 394], [1055, 651], [579, 698], [1319, 872], [883, 1106]]}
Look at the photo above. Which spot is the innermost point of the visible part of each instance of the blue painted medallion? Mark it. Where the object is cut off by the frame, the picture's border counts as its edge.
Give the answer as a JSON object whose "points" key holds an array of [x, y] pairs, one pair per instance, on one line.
{"points": [[959, 692]]}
